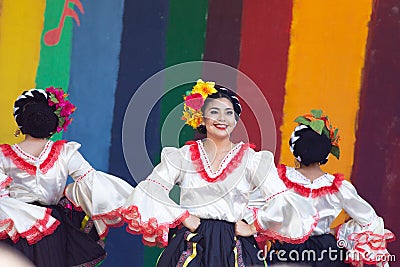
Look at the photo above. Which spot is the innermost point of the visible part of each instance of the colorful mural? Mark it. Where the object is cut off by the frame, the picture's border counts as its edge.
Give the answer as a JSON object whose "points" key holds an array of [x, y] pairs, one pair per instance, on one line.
{"points": [[337, 55]]}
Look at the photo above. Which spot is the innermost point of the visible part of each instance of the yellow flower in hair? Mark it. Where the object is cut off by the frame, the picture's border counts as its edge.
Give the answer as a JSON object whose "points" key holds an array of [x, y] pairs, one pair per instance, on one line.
{"points": [[204, 88], [194, 100]]}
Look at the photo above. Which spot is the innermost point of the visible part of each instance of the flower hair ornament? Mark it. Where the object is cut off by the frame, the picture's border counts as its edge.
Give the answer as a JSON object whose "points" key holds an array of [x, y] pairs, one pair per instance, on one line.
{"points": [[53, 97], [194, 101], [320, 123], [64, 108]]}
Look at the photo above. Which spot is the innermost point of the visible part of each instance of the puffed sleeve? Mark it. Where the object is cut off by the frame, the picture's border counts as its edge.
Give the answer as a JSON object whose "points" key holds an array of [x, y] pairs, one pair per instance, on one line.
{"points": [[98, 194], [22, 220], [150, 210], [285, 215], [364, 236]]}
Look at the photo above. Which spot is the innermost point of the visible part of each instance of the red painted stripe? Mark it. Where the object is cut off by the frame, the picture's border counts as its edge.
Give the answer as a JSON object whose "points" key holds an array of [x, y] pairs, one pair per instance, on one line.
{"points": [[264, 55], [223, 32], [376, 169]]}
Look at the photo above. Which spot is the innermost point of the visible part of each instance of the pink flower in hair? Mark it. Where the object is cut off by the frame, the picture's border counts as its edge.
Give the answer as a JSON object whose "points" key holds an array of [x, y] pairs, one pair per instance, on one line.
{"points": [[64, 108]]}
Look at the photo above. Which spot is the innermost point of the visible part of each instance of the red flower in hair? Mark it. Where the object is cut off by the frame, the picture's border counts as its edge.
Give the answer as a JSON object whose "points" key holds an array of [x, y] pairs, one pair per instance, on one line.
{"points": [[64, 108], [195, 101]]}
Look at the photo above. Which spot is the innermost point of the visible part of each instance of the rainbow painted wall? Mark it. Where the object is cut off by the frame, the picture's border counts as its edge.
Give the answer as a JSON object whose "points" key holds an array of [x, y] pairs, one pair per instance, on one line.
{"points": [[338, 55]]}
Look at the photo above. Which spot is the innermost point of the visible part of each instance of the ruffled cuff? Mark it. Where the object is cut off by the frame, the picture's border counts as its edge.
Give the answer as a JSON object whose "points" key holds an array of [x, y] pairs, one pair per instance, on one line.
{"points": [[19, 219], [365, 243], [101, 196], [150, 216], [286, 217]]}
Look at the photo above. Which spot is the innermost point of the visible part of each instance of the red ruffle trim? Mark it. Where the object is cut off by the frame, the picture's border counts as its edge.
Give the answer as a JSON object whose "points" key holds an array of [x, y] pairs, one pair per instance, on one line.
{"points": [[6, 182], [235, 161], [305, 191], [35, 233], [375, 242], [267, 234], [54, 153], [154, 233], [114, 218], [29, 168], [19, 162]]}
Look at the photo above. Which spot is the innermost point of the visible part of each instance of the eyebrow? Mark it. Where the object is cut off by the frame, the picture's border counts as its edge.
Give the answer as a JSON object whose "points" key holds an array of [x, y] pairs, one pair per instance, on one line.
{"points": [[219, 108]]}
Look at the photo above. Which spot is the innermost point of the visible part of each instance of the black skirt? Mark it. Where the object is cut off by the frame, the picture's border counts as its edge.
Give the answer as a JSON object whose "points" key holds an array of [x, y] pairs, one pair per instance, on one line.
{"points": [[317, 251], [213, 245], [68, 245]]}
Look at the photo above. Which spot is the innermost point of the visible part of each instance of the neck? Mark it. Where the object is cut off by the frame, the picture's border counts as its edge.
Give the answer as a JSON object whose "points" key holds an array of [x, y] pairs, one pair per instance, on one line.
{"points": [[312, 166], [219, 144], [29, 138]]}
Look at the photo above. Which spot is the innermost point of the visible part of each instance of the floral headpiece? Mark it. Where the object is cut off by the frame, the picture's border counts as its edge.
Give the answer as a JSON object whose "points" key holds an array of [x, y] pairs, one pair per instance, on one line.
{"points": [[194, 101], [64, 108], [321, 124]]}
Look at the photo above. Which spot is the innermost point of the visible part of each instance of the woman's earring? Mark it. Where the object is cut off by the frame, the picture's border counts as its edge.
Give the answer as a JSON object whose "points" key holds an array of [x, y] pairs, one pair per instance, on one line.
{"points": [[17, 132], [296, 163]]}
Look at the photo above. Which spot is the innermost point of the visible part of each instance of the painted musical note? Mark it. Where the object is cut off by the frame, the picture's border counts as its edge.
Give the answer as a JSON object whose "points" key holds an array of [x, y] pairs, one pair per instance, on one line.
{"points": [[52, 37]]}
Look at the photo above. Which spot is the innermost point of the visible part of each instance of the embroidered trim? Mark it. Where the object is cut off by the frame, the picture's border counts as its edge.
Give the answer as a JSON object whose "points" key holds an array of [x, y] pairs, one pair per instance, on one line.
{"points": [[158, 183], [6, 182], [29, 168], [92, 263], [239, 262], [305, 191], [84, 175], [190, 253], [232, 164], [153, 232], [270, 234], [274, 195]]}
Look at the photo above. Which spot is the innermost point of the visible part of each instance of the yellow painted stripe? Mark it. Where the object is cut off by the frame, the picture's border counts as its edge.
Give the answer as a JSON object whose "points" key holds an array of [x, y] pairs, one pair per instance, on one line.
{"points": [[21, 25], [326, 57]]}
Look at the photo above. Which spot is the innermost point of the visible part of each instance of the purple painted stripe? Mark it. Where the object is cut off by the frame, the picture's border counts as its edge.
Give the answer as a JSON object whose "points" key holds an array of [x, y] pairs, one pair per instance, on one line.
{"points": [[376, 169]]}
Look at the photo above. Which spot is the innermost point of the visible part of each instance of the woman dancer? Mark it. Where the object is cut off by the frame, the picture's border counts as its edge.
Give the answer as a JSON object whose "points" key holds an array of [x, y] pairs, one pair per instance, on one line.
{"points": [[216, 177], [363, 236], [35, 218]]}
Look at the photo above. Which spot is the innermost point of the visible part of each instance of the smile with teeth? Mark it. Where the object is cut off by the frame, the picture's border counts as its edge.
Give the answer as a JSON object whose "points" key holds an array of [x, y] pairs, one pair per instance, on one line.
{"points": [[220, 126]]}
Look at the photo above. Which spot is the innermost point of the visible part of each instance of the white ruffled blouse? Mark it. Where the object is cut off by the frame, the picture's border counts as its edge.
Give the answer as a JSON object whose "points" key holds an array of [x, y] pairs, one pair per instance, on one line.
{"points": [[363, 236], [25, 179], [223, 194]]}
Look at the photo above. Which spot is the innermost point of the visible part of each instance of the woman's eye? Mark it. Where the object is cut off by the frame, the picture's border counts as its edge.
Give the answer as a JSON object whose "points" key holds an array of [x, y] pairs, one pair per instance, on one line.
{"points": [[213, 112], [229, 112]]}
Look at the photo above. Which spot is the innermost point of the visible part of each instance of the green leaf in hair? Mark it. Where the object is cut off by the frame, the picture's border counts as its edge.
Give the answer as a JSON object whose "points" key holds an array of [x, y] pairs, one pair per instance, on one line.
{"points": [[317, 113], [317, 125], [335, 151], [53, 99], [302, 120]]}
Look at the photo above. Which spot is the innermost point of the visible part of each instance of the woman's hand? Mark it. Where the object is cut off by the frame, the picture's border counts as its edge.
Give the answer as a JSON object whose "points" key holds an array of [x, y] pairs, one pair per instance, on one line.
{"points": [[192, 223], [244, 229]]}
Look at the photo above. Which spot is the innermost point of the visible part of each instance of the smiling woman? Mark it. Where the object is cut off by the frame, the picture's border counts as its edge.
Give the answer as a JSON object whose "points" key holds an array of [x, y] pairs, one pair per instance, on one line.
{"points": [[216, 178]]}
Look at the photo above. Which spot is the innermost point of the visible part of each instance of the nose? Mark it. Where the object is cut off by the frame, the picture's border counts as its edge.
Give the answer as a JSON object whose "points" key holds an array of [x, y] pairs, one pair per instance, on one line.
{"points": [[221, 117]]}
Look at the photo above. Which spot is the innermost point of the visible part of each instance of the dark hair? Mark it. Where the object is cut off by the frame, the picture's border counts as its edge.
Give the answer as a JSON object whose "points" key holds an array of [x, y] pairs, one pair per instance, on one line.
{"points": [[222, 93], [33, 114], [310, 147]]}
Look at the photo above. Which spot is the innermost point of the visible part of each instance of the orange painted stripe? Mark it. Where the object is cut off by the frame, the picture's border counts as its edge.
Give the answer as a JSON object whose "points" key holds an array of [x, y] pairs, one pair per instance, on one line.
{"points": [[326, 58], [21, 24]]}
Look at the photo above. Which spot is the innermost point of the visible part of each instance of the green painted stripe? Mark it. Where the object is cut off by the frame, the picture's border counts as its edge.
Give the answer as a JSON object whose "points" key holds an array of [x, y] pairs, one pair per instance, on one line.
{"points": [[55, 61], [185, 42]]}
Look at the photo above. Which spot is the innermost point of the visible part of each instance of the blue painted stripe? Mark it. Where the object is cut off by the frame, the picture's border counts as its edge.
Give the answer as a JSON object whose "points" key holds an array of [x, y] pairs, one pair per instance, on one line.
{"points": [[94, 72], [142, 55], [93, 81]]}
